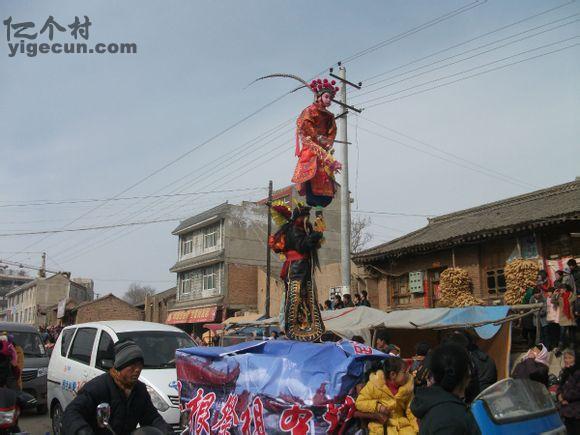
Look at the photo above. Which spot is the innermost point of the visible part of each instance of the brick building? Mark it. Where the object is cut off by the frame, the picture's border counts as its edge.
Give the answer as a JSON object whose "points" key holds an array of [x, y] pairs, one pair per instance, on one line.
{"points": [[543, 225], [157, 306], [109, 307]]}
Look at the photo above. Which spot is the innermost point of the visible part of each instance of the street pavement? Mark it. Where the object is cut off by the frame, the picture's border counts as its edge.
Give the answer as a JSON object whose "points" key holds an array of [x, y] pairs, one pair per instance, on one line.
{"points": [[35, 424]]}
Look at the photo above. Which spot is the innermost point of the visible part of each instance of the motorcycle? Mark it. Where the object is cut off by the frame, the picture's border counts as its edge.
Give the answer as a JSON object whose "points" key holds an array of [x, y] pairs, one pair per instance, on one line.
{"points": [[517, 407], [104, 416], [12, 403]]}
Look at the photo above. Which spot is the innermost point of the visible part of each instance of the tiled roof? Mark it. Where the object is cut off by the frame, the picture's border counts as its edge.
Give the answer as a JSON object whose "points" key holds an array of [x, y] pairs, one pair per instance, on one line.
{"points": [[208, 214], [540, 208]]}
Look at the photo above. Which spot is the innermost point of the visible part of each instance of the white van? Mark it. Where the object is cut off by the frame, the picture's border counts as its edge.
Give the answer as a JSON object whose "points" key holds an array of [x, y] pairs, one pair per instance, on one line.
{"points": [[85, 351]]}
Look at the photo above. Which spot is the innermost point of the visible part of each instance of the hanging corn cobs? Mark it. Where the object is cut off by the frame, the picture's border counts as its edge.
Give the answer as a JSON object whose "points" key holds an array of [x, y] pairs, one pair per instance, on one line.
{"points": [[520, 274], [454, 285]]}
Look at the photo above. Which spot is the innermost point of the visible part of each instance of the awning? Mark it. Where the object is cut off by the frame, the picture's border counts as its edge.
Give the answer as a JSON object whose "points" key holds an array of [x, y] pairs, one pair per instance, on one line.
{"points": [[242, 319], [192, 315]]}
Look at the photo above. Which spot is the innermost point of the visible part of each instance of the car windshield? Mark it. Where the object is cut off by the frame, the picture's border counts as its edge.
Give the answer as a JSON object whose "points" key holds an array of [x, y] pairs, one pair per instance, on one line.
{"points": [[30, 343], [158, 346]]}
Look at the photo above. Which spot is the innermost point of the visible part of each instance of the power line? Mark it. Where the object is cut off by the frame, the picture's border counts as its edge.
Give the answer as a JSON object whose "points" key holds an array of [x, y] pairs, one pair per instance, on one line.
{"points": [[84, 250], [126, 198], [465, 58], [101, 227], [209, 168], [493, 171], [499, 29], [438, 156], [470, 76], [200, 176], [414, 30], [390, 213]]}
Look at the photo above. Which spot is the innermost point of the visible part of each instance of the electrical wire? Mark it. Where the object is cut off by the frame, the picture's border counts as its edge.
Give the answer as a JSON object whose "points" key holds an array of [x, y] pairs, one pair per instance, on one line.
{"points": [[414, 30], [469, 70], [439, 149], [127, 198], [358, 95], [483, 35]]}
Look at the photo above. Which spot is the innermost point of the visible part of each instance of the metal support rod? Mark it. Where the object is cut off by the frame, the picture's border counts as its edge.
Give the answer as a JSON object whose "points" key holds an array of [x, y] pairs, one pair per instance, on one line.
{"points": [[345, 242], [268, 257]]}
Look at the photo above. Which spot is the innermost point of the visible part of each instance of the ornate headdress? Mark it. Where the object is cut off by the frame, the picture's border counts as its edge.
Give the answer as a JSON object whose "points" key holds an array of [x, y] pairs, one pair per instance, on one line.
{"points": [[319, 87]]}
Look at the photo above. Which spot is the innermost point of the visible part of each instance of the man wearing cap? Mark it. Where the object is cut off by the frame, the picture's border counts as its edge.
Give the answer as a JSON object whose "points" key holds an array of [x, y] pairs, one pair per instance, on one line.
{"points": [[121, 389]]}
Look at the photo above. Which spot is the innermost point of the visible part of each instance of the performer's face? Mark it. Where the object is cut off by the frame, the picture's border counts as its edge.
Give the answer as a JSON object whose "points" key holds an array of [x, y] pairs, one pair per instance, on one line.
{"points": [[326, 99]]}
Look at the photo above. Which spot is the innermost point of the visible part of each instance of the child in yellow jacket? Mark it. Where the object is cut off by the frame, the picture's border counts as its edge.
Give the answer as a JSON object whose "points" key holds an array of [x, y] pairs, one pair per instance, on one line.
{"points": [[389, 391]]}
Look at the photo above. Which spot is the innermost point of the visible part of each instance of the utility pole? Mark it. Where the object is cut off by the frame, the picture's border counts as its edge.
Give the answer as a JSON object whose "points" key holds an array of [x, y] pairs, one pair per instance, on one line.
{"points": [[345, 240], [42, 270], [268, 257]]}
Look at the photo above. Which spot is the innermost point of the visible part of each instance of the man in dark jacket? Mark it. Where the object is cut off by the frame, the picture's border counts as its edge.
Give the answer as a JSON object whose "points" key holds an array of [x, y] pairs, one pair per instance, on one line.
{"points": [[450, 414], [128, 397], [486, 368]]}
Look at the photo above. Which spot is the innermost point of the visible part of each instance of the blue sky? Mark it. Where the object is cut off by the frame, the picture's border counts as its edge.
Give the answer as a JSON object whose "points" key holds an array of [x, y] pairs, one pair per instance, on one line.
{"points": [[90, 126]]}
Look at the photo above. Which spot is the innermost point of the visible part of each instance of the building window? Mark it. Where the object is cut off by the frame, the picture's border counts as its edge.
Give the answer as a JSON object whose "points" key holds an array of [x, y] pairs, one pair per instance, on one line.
{"points": [[400, 289], [211, 236], [496, 281], [187, 244], [201, 283]]}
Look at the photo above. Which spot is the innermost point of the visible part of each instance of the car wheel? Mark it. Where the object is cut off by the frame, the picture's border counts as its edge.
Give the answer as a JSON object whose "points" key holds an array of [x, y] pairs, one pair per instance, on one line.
{"points": [[56, 416], [41, 409]]}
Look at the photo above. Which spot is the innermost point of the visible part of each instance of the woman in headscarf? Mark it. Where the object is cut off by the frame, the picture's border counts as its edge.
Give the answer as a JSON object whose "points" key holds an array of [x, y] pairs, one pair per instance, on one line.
{"points": [[534, 365]]}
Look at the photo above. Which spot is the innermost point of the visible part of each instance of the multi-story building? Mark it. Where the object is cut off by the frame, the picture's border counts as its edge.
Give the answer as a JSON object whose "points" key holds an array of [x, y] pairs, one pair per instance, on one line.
{"points": [[543, 226], [9, 280], [219, 251], [222, 258], [29, 302]]}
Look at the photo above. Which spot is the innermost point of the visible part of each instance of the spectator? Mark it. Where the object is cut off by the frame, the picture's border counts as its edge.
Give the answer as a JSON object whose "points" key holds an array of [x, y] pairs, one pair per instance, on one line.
{"points": [[364, 301], [528, 328], [357, 299], [460, 339], [389, 391], [347, 301], [559, 278], [573, 275], [337, 302], [17, 370], [534, 365], [568, 393], [393, 350], [539, 298], [273, 335], [419, 368], [564, 298], [439, 407], [553, 327], [327, 305], [486, 370], [382, 341]]}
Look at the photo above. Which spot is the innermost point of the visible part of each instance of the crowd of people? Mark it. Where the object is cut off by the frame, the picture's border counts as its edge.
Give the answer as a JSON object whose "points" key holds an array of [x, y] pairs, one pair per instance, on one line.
{"points": [[345, 301], [560, 312], [431, 392], [49, 335]]}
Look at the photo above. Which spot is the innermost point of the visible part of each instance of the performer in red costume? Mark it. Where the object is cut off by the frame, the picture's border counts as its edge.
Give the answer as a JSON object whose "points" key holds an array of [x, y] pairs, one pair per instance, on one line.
{"points": [[316, 130]]}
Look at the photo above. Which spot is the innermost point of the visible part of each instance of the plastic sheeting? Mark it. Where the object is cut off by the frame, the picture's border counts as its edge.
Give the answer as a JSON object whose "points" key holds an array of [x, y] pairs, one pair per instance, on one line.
{"points": [[276, 386]]}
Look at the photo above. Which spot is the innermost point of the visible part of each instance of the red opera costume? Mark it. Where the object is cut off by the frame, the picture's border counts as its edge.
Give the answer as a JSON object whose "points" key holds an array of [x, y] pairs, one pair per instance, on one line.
{"points": [[314, 173]]}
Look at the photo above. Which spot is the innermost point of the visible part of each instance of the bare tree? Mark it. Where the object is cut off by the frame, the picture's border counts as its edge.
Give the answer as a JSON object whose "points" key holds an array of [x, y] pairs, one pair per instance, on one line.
{"points": [[136, 293], [359, 235]]}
